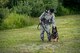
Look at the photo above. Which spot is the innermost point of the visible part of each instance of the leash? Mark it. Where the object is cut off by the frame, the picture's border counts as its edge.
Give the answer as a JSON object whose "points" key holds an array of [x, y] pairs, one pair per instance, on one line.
{"points": [[44, 28]]}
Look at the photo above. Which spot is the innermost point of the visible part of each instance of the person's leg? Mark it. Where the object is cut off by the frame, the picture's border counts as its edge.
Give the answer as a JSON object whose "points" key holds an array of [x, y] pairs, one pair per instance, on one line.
{"points": [[42, 33], [48, 32]]}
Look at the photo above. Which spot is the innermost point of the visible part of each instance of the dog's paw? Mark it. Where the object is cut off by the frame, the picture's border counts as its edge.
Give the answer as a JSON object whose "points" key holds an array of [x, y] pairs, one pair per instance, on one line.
{"points": [[55, 40]]}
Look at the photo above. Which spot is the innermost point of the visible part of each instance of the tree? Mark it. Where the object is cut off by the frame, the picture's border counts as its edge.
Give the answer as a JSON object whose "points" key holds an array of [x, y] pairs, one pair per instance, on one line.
{"points": [[73, 4]]}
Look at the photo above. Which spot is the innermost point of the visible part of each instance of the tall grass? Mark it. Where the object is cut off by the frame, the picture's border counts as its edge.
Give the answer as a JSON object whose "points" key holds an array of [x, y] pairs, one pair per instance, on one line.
{"points": [[17, 21]]}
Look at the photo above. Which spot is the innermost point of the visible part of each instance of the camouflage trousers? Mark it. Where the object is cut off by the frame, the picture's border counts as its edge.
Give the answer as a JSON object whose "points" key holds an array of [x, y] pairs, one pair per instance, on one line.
{"points": [[45, 28]]}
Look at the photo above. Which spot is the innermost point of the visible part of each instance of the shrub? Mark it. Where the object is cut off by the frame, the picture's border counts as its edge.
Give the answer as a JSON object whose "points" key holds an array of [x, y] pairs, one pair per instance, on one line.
{"points": [[16, 21], [62, 10], [34, 7], [3, 13]]}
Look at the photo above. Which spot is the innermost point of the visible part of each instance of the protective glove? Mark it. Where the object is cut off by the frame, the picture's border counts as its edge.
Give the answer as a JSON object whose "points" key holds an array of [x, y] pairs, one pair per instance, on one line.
{"points": [[53, 26]]}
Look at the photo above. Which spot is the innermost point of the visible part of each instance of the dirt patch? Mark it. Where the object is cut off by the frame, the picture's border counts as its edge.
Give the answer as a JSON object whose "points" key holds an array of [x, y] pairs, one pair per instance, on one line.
{"points": [[34, 48]]}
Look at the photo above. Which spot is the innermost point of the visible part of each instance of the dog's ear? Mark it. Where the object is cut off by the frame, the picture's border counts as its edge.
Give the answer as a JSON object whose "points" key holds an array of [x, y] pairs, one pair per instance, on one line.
{"points": [[54, 29]]}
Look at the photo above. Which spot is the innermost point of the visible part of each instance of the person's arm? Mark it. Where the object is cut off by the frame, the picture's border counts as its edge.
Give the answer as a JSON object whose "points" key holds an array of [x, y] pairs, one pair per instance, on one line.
{"points": [[53, 21], [42, 15]]}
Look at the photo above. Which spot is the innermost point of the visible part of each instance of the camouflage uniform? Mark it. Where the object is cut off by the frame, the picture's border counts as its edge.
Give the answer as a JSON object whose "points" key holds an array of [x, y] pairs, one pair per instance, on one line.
{"points": [[45, 26]]}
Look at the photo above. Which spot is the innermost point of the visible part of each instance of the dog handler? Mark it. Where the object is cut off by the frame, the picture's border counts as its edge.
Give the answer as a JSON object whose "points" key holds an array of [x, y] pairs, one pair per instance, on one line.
{"points": [[46, 19]]}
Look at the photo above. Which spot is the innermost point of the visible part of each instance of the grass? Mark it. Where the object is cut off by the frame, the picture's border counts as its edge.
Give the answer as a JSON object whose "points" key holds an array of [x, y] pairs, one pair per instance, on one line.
{"points": [[27, 39]]}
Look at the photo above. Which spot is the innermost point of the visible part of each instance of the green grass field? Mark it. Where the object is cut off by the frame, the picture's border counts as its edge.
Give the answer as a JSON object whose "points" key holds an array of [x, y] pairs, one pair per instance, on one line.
{"points": [[27, 39]]}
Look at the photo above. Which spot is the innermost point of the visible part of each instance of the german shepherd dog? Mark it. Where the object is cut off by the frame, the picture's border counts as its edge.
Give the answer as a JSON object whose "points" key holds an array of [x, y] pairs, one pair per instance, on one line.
{"points": [[54, 35]]}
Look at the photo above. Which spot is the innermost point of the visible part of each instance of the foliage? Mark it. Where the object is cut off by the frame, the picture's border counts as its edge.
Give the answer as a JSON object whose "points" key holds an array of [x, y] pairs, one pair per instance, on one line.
{"points": [[72, 4], [3, 3], [4, 12], [34, 7], [16, 21], [61, 10]]}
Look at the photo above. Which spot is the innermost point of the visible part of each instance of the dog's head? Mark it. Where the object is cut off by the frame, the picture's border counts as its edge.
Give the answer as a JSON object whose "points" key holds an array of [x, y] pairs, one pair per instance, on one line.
{"points": [[54, 30], [54, 33]]}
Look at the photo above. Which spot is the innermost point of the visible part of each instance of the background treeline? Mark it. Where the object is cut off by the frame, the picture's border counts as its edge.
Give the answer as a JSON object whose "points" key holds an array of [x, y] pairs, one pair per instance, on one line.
{"points": [[19, 13]]}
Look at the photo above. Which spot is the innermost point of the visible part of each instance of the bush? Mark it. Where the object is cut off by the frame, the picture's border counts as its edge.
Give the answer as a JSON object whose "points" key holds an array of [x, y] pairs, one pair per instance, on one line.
{"points": [[3, 13], [22, 9], [16, 21], [63, 11], [34, 7]]}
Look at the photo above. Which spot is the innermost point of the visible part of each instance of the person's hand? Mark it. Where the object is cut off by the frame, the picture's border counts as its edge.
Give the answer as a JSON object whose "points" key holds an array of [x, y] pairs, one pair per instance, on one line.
{"points": [[53, 26], [40, 23]]}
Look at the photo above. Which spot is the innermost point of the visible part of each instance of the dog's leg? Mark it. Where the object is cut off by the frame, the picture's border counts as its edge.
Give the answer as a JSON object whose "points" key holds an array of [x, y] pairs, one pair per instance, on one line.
{"points": [[56, 39]]}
